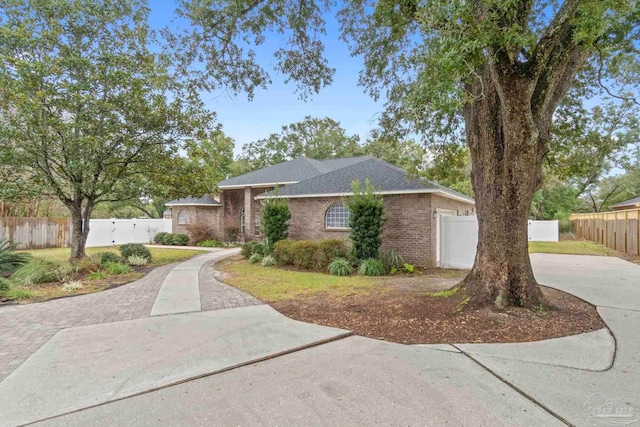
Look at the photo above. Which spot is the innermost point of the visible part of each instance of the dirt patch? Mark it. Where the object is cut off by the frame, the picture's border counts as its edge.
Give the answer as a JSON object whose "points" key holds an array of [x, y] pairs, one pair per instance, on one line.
{"points": [[412, 317]]}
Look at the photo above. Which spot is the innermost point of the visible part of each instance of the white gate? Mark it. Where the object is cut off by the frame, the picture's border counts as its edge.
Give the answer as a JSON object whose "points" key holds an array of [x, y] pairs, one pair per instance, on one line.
{"points": [[459, 239], [107, 232]]}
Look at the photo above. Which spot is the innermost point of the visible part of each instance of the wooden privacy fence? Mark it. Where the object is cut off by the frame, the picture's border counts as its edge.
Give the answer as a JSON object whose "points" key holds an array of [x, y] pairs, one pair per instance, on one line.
{"points": [[36, 233], [618, 230]]}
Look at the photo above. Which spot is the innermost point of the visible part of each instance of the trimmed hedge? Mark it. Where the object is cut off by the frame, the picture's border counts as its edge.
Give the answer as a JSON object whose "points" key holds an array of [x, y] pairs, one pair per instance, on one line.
{"points": [[179, 239], [282, 252], [137, 249], [160, 237], [304, 252], [307, 254], [253, 248]]}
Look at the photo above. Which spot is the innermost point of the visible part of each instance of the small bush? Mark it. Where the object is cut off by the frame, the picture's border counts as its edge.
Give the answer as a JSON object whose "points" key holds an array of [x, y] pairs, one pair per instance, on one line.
{"points": [[137, 260], [282, 251], [391, 260], [340, 267], [64, 273], [200, 232], [255, 258], [371, 267], [334, 248], [85, 265], [409, 268], [260, 249], [179, 239], [268, 261], [138, 249], [160, 237], [247, 249], [10, 260], [4, 285], [103, 257], [303, 254], [35, 272], [210, 244], [97, 275], [72, 286], [117, 268], [320, 259]]}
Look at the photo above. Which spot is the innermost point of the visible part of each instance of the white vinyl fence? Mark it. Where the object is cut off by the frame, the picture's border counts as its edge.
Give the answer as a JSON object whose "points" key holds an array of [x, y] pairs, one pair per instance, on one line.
{"points": [[107, 232], [459, 239]]}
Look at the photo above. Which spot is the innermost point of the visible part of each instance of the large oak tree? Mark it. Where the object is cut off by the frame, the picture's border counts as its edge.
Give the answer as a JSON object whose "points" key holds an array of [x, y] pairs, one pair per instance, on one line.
{"points": [[85, 105], [501, 67]]}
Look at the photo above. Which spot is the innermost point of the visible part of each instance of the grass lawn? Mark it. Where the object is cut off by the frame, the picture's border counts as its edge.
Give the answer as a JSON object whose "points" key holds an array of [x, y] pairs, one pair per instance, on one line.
{"points": [[160, 256], [572, 247], [272, 284]]}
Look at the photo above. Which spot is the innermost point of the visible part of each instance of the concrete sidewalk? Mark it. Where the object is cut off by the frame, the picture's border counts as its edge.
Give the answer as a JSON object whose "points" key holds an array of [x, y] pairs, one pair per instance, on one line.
{"points": [[568, 381]]}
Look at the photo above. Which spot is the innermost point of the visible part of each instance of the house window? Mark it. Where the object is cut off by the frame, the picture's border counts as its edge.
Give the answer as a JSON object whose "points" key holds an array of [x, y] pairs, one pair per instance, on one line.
{"points": [[183, 218], [242, 221], [256, 224], [337, 216]]}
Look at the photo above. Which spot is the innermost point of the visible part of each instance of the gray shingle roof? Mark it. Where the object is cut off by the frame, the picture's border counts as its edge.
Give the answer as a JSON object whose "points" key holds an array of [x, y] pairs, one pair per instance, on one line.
{"points": [[384, 177], [631, 202], [295, 170], [204, 201]]}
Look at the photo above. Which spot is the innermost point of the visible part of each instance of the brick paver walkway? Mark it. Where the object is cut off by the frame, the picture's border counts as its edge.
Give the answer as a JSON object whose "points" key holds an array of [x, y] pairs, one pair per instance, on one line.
{"points": [[218, 296], [25, 328]]}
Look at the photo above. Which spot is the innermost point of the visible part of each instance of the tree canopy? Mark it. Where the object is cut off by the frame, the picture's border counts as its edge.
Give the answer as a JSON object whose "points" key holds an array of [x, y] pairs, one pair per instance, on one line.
{"points": [[86, 106]]}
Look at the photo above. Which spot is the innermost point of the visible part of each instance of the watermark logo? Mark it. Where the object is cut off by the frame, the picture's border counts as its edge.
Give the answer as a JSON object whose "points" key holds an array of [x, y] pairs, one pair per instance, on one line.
{"points": [[609, 412]]}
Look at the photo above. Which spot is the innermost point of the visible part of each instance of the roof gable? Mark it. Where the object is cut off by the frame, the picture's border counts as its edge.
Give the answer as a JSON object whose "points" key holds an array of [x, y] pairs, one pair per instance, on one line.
{"points": [[630, 202]]}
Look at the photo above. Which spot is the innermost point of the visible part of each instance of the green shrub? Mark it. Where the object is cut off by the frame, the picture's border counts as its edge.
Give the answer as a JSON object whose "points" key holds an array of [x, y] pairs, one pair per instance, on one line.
{"points": [[137, 260], [334, 248], [159, 237], [137, 249], [64, 273], [84, 265], [117, 268], [409, 268], [391, 260], [4, 285], [303, 254], [268, 261], [275, 221], [209, 244], [371, 267], [97, 275], [247, 249], [260, 249], [10, 260], [366, 211], [179, 239], [565, 226], [35, 272], [103, 257], [320, 259], [340, 267], [255, 258], [283, 252]]}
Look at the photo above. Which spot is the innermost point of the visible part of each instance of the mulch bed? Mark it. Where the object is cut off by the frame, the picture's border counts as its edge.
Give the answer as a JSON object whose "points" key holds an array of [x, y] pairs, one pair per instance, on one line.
{"points": [[410, 317]]}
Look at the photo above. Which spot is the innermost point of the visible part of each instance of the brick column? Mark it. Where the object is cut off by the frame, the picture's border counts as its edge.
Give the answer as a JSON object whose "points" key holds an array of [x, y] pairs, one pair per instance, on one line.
{"points": [[248, 214]]}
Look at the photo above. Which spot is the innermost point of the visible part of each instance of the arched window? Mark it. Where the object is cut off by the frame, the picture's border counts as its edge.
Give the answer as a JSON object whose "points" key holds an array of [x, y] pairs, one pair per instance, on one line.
{"points": [[242, 221], [183, 217], [337, 216]]}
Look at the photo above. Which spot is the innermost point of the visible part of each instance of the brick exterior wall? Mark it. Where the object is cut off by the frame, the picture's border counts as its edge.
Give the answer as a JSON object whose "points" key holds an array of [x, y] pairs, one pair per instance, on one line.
{"points": [[207, 215], [408, 226], [236, 198]]}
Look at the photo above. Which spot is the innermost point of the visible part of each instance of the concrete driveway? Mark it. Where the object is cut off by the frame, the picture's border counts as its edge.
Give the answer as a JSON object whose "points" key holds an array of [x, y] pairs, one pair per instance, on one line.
{"points": [[251, 365]]}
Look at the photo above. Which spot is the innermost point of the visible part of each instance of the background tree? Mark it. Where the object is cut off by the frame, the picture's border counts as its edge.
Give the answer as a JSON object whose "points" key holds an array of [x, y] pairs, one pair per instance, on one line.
{"points": [[499, 67], [84, 103], [312, 137]]}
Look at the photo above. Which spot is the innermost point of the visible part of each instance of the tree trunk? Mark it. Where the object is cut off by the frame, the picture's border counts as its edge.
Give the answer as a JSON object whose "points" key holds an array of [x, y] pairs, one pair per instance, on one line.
{"points": [[507, 149], [80, 218]]}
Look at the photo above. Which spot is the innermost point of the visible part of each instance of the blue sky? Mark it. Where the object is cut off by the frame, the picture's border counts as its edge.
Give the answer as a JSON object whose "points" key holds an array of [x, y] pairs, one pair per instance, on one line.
{"points": [[279, 105]]}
